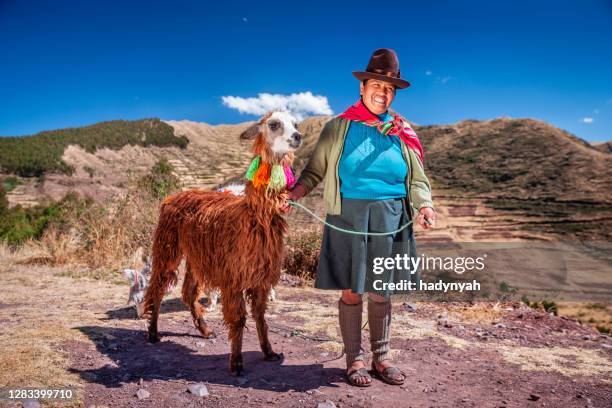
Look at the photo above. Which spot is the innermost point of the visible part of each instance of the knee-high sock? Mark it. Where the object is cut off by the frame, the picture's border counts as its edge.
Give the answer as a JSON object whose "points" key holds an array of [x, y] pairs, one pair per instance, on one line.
{"points": [[350, 328], [379, 320]]}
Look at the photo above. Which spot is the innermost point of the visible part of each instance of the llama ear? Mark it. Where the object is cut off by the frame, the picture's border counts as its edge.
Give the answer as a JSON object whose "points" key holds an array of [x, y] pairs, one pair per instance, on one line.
{"points": [[250, 133], [129, 275]]}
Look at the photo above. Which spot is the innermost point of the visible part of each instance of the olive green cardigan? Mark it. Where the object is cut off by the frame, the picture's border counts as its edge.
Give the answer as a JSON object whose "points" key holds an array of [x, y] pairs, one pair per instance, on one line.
{"points": [[323, 163]]}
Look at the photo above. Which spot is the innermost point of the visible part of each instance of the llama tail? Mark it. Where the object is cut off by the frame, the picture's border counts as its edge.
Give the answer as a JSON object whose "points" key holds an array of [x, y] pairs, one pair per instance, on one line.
{"points": [[166, 259]]}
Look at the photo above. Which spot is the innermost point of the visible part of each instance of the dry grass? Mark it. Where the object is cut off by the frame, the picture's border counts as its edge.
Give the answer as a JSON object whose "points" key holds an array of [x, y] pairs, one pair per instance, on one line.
{"points": [[481, 312], [40, 311], [34, 359], [98, 241], [570, 361], [597, 315], [408, 327]]}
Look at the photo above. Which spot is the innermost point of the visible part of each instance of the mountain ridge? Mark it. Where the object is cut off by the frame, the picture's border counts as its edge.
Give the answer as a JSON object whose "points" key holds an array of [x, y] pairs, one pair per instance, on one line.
{"points": [[485, 174]]}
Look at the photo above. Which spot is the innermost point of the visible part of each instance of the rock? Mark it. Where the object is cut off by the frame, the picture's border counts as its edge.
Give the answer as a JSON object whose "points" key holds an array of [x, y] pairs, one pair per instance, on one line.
{"points": [[140, 381], [200, 344], [444, 322], [143, 394], [30, 403], [326, 404], [198, 389], [242, 380], [410, 307], [533, 397]]}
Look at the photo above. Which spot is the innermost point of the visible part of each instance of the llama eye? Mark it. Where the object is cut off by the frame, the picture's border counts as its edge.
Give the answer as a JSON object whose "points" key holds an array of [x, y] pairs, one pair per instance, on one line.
{"points": [[273, 125]]}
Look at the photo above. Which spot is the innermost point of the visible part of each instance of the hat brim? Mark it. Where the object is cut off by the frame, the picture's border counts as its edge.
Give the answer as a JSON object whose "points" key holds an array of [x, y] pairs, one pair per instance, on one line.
{"points": [[400, 83]]}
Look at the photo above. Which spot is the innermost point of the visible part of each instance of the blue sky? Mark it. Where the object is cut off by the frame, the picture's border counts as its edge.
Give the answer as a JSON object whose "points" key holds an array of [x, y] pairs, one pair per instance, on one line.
{"points": [[69, 64]]}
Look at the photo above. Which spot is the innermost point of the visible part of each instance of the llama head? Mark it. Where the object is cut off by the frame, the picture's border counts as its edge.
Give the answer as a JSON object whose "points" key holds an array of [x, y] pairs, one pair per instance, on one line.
{"points": [[138, 285], [275, 137]]}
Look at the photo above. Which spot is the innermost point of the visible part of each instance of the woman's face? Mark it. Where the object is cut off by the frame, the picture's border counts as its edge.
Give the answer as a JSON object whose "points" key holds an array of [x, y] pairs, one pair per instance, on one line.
{"points": [[377, 95]]}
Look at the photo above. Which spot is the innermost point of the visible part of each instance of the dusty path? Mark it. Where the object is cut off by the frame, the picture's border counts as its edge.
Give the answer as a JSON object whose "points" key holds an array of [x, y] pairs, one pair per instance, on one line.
{"points": [[58, 330]]}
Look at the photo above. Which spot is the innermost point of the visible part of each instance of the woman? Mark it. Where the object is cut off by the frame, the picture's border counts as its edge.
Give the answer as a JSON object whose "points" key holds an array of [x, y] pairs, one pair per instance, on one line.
{"points": [[372, 164]]}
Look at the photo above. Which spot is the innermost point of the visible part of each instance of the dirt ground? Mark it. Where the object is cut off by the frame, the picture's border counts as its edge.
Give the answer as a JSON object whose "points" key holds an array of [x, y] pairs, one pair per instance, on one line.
{"points": [[58, 330]]}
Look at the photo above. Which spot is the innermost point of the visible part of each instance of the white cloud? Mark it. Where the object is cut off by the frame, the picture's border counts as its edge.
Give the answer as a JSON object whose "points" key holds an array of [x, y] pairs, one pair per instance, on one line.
{"points": [[445, 79], [428, 72], [244, 19], [596, 111], [299, 104], [587, 119]]}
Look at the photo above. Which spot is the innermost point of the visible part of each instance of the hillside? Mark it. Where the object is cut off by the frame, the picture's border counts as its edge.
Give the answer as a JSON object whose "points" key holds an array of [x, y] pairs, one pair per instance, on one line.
{"points": [[605, 147], [507, 179], [496, 179], [39, 154], [212, 155], [532, 175]]}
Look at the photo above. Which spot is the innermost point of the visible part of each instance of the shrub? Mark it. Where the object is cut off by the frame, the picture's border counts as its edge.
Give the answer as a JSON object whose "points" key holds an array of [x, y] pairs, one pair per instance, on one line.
{"points": [[302, 256], [9, 183], [19, 224], [603, 329], [548, 306], [161, 181]]}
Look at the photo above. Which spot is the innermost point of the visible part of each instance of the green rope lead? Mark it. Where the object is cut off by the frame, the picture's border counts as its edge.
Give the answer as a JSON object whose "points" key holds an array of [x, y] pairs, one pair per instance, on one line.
{"points": [[296, 204]]}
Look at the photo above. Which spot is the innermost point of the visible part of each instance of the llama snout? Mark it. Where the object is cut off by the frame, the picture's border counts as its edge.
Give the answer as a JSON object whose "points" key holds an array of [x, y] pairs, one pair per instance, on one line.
{"points": [[295, 140]]}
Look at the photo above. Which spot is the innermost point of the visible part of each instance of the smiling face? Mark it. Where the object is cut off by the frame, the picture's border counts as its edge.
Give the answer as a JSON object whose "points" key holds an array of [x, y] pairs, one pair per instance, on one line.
{"points": [[377, 95]]}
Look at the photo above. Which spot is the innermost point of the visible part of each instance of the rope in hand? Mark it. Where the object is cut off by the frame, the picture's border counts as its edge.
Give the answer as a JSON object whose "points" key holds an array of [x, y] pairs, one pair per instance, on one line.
{"points": [[315, 216]]}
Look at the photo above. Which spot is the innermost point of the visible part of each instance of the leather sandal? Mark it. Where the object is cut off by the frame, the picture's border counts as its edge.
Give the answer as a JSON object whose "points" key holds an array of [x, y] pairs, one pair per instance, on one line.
{"points": [[360, 373], [388, 375]]}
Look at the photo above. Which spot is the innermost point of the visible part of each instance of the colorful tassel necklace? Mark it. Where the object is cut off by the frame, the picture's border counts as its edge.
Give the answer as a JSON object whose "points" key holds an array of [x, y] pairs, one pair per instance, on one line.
{"points": [[276, 177]]}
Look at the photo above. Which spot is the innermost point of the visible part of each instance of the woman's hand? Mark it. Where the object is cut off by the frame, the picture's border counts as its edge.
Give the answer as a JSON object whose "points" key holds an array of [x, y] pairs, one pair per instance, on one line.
{"points": [[298, 191], [426, 218]]}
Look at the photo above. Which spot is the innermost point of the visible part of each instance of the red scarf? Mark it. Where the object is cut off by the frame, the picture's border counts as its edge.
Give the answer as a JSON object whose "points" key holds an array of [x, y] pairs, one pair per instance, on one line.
{"points": [[397, 127]]}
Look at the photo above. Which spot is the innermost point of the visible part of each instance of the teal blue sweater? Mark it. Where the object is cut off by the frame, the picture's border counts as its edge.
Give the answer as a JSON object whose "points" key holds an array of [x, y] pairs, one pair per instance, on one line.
{"points": [[372, 166]]}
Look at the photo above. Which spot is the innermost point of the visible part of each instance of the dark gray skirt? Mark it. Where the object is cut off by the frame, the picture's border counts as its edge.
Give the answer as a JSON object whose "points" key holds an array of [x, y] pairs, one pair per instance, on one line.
{"points": [[346, 261]]}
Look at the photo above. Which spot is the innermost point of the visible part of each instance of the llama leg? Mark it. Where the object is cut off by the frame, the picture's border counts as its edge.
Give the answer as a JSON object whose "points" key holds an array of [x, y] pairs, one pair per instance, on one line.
{"points": [[161, 279], [191, 297], [153, 299], [259, 303], [234, 315]]}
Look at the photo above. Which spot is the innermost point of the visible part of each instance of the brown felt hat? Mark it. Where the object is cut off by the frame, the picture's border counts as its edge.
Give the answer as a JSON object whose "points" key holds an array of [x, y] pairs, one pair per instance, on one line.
{"points": [[383, 66]]}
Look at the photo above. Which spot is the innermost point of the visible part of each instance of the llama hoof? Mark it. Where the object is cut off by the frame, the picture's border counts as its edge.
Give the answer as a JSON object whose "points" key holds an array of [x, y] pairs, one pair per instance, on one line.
{"points": [[210, 335], [274, 356]]}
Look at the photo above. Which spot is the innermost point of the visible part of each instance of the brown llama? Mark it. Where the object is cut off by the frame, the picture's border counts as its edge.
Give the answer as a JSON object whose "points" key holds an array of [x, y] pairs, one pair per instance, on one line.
{"points": [[230, 242]]}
